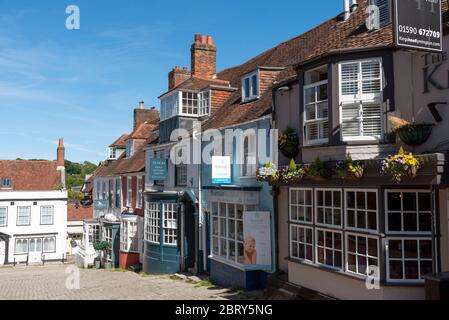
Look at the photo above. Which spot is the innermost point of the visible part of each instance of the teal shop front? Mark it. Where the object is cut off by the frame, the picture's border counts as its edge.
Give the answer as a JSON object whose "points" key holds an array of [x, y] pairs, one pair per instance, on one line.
{"points": [[169, 239]]}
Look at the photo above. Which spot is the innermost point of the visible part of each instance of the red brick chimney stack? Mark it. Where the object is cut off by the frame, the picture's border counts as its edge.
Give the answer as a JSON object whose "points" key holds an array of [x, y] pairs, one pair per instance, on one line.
{"points": [[204, 57], [177, 76], [60, 153]]}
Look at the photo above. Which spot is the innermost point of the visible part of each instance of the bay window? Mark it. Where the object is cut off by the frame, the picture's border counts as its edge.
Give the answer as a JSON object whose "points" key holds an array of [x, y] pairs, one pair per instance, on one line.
{"points": [[361, 210], [362, 252], [129, 236], [329, 248], [301, 205], [316, 111], [170, 223], [152, 222], [189, 103], [361, 100], [227, 231], [170, 105], [204, 103], [328, 207], [301, 239]]}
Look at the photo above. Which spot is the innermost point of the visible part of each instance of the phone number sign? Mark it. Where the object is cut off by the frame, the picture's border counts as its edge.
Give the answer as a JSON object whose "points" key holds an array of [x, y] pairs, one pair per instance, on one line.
{"points": [[418, 24]]}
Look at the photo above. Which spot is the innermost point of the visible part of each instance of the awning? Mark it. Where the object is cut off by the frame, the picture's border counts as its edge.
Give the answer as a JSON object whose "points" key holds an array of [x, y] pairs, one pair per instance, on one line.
{"points": [[4, 236], [190, 195]]}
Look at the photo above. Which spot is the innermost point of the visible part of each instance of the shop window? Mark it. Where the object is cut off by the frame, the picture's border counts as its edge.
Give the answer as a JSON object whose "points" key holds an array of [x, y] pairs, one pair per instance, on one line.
{"points": [[362, 253], [301, 205], [361, 210], [328, 207], [152, 222]]}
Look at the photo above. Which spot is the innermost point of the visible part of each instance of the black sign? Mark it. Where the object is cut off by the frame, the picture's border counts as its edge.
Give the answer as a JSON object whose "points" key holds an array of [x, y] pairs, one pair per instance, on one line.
{"points": [[418, 24]]}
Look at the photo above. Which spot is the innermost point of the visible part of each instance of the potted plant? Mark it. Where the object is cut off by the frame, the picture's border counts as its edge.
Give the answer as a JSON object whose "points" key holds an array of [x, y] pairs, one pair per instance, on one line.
{"points": [[269, 173], [400, 165], [293, 173], [319, 171], [350, 169], [413, 134], [102, 247], [289, 143]]}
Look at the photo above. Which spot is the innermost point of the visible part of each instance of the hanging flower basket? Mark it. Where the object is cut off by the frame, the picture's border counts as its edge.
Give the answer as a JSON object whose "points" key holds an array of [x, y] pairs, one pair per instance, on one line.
{"points": [[269, 173], [293, 174], [289, 143], [401, 165], [350, 169], [414, 134]]}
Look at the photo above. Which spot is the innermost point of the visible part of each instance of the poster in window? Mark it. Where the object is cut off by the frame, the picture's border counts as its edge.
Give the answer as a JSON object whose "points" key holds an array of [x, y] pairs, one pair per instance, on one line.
{"points": [[257, 240]]}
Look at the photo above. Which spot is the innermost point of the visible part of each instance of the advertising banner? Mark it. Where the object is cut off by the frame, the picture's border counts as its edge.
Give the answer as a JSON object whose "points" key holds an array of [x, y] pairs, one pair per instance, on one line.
{"points": [[158, 169], [418, 24], [257, 240], [221, 170]]}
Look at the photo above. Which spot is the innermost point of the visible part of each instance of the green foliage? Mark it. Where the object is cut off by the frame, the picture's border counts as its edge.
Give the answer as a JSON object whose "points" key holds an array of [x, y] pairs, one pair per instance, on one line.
{"points": [[102, 246], [73, 195], [319, 169], [76, 175]]}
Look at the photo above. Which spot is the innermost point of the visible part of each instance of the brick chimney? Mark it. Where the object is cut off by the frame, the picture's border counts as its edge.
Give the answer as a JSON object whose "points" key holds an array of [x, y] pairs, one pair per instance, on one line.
{"points": [[177, 76], [60, 161], [204, 57], [61, 153], [141, 115]]}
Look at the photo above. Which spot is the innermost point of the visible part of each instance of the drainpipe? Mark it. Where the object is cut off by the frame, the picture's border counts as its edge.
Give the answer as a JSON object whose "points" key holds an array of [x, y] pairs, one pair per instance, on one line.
{"points": [[275, 195]]}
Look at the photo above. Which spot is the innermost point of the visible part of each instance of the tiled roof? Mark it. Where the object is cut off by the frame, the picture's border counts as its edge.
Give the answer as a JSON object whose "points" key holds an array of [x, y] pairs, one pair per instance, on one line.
{"points": [[144, 130], [78, 212], [120, 142], [27, 175], [197, 83], [329, 37]]}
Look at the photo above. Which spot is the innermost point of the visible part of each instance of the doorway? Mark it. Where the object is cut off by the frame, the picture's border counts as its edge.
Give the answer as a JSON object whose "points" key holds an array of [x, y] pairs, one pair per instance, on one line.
{"points": [[35, 253], [2, 252]]}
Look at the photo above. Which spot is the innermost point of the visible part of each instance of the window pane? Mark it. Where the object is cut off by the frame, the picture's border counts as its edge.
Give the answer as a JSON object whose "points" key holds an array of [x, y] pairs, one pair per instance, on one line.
{"points": [[425, 249], [409, 201], [396, 269], [395, 248], [410, 249]]}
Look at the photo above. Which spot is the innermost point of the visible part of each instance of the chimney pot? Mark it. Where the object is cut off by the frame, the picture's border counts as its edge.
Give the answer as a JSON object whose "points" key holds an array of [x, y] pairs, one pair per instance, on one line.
{"points": [[204, 58], [209, 40], [141, 105], [203, 39], [184, 68], [347, 10], [197, 38]]}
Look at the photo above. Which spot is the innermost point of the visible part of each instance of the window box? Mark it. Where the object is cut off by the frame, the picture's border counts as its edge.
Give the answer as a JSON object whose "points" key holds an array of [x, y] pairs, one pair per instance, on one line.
{"points": [[414, 134]]}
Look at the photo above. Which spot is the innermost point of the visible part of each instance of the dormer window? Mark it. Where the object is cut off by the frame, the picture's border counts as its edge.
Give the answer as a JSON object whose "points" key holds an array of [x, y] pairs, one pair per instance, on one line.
{"points": [[6, 183], [129, 148], [204, 103], [250, 86], [112, 155], [379, 14]]}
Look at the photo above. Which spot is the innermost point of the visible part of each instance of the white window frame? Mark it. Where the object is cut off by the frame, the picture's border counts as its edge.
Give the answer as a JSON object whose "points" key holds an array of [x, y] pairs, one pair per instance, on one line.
{"points": [[366, 191], [191, 96], [139, 193], [21, 252], [129, 192], [248, 168], [48, 241], [170, 223], [129, 241], [152, 222], [107, 237], [118, 193], [170, 105], [204, 104], [301, 242], [361, 99], [317, 229], [332, 190], [399, 233], [248, 96], [317, 120], [403, 259], [129, 148], [19, 216], [93, 234], [367, 256], [4, 216], [46, 215], [112, 154], [237, 240], [305, 206], [389, 5]]}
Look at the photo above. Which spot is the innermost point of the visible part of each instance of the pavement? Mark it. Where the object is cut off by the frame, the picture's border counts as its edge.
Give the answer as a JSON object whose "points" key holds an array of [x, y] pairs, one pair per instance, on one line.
{"points": [[67, 282]]}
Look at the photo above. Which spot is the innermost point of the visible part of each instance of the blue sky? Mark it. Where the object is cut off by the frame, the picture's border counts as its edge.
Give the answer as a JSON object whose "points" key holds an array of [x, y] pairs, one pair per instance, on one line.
{"points": [[83, 84]]}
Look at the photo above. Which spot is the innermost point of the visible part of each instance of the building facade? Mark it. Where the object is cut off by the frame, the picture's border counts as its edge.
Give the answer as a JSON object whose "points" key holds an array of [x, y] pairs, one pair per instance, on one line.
{"points": [[33, 210]]}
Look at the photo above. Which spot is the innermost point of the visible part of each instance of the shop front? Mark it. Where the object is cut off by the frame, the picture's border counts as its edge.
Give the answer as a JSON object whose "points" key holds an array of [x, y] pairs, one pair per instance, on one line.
{"points": [[169, 232]]}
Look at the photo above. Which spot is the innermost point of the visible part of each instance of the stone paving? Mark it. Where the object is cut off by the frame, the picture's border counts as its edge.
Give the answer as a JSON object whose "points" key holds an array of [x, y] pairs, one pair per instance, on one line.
{"points": [[49, 283]]}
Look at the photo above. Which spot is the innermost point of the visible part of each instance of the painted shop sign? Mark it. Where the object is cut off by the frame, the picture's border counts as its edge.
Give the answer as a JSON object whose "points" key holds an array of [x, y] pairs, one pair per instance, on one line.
{"points": [[257, 240], [234, 196], [418, 24], [100, 204], [435, 65], [221, 170], [158, 169]]}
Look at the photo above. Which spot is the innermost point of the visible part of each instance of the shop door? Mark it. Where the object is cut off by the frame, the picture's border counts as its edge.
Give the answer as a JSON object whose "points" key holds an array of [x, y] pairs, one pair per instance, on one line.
{"points": [[2, 252], [35, 253]]}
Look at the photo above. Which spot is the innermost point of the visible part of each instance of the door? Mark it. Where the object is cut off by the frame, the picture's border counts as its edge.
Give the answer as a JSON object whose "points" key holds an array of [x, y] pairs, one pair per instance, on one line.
{"points": [[2, 252], [35, 253]]}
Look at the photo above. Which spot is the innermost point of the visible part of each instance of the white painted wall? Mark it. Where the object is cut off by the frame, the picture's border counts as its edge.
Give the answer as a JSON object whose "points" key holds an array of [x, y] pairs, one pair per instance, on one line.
{"points": [[57, 199]]}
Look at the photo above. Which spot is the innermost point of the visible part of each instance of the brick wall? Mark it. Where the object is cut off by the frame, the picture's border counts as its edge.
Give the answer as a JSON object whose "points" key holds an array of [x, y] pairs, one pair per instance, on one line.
{"points": [[218, 98], [204, 57], [177, 76]]}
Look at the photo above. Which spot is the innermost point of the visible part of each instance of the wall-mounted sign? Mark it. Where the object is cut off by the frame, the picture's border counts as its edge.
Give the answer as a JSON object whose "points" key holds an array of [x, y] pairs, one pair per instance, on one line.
{"points": [[158, 169], [100, 204], [257, 240], [418, 24], [221, 170], [234, 196]]}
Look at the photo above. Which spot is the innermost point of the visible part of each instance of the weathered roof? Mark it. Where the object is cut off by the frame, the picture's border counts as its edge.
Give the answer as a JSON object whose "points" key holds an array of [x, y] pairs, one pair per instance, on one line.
{"points": [[120, 142], [78, 212], [329, 37], [198, 83], [28, 175]]}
